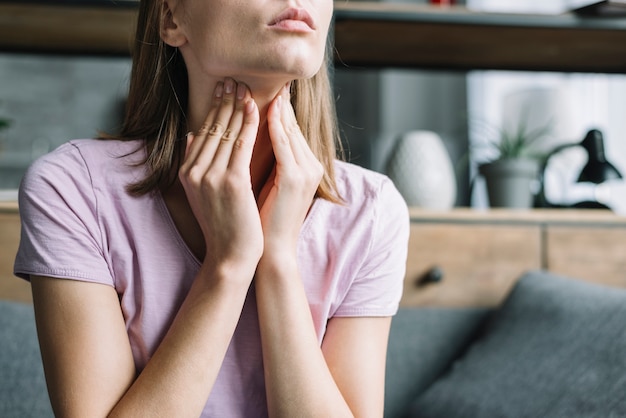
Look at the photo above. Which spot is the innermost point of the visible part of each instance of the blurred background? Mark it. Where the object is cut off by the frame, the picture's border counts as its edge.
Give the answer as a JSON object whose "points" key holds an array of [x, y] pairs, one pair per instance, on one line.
{"points": [[49, 99]]}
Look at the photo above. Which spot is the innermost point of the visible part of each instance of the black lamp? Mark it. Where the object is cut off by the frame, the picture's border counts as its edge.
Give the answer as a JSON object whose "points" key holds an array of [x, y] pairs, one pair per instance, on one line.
{"points": [[597, 170]]}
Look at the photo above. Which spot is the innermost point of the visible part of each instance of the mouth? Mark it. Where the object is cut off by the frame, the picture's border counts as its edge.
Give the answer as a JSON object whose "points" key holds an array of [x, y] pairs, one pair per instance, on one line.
{"points": [[294, 19]]}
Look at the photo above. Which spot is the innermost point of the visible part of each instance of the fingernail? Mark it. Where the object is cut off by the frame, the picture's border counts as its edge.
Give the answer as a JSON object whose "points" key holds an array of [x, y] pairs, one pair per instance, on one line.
{"points": [[241, 91], [228, 86], [250, 106], [279, 102], [219, 89]]}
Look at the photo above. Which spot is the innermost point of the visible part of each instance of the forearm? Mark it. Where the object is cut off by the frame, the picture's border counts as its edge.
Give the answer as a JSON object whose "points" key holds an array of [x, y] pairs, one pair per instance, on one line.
{"points": [[298, 380], [179, 377]]}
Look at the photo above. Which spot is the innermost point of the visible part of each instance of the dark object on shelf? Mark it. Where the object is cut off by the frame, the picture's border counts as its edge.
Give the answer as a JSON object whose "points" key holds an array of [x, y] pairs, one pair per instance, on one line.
{"points": [[600, 7], [596, 171], [434, 275]]}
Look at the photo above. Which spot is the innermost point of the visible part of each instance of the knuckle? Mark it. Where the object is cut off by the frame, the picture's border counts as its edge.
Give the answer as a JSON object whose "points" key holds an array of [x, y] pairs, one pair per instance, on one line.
{"points": [[216, 129], [228, 100], [194, 175], [284, 139], [228, 135], [293, 129], [241, 143], [232, 185], [204, 129], [209, 182]]}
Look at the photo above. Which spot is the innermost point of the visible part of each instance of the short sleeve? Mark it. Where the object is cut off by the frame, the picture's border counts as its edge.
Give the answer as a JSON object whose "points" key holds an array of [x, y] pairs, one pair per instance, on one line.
{"points": [[377, 289], [60, 235]]}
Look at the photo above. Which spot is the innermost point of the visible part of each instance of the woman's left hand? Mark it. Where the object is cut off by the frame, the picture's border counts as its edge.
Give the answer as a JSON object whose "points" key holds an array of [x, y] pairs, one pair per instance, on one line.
{"points": [[289, 192]]}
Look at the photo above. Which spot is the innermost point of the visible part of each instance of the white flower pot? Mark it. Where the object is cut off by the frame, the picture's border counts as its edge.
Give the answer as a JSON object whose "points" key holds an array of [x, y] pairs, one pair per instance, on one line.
{"points": [[421, 169]]}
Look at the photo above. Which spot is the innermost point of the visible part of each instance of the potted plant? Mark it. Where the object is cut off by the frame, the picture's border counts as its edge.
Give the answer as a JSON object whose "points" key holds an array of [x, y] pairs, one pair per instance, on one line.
{"points": [[514, 169]]}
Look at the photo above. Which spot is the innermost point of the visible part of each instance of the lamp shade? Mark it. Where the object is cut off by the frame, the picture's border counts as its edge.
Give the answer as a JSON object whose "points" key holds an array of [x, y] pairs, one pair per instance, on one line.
{"points": [[598, 169]]}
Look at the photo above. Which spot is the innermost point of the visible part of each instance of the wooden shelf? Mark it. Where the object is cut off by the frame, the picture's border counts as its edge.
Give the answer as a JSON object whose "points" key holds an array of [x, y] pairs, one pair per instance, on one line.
{"points": [[367, 34], [66, 28], [495, 216], [8, 207], [408, 35], [481, 253]]}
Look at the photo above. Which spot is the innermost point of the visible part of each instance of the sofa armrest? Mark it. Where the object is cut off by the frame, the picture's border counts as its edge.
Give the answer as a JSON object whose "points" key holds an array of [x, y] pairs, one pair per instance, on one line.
{"points": [[23, 391]]}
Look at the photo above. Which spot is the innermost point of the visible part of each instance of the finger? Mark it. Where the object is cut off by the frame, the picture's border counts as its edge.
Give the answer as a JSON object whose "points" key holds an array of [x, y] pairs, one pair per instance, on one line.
{"points": [[224, 150], [244, 144], [188, 141], [218, 127], [300, 149], [278, 135], [297, 141]]}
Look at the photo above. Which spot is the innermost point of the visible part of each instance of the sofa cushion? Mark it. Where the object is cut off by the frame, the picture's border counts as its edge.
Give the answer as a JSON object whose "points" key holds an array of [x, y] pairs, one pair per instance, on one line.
{"points": [[22, 385], [555, 348], [422, 344]]}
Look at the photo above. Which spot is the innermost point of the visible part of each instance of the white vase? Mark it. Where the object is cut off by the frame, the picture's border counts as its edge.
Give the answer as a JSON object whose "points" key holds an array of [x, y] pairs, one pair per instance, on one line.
{"points": [[421, 169]]}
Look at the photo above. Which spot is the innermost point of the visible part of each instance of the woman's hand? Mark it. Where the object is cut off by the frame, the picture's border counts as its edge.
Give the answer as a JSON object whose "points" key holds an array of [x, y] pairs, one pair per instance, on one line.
{"points": [[289, 192], [216, 177]]}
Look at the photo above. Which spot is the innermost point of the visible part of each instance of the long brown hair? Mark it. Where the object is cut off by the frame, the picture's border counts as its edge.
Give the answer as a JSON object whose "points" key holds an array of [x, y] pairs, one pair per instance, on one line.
{"points": [[157, 105]]}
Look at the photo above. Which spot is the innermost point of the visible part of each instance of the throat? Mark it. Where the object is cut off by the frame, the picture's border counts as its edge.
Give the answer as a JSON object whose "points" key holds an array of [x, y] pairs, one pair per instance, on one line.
{"points": [[262, 165]]}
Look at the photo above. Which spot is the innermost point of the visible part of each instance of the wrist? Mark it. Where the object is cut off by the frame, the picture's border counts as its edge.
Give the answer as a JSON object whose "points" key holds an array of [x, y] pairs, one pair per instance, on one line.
{"points": [[232, 274], [277, 262]]}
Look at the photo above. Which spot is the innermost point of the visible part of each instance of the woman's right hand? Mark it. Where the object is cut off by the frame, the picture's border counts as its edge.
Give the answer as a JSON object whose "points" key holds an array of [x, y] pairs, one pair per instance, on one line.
{"points": [[216, 177]]}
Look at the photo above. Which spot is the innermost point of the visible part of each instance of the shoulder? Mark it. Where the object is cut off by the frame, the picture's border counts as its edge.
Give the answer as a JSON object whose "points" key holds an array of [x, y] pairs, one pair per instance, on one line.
{"points": [[92, 153], [370, 206], [366, 237], [362, 188], [79, 173], [86, 161], [103, 153]]}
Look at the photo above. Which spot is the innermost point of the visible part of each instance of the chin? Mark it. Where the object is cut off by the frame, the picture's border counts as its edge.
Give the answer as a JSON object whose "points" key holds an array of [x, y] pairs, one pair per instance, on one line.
{"points": [[302, 69]]}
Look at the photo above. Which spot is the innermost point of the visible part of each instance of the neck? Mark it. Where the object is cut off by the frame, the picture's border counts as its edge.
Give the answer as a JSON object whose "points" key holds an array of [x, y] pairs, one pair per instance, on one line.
{"points": [[263, 93], [263, 161]]}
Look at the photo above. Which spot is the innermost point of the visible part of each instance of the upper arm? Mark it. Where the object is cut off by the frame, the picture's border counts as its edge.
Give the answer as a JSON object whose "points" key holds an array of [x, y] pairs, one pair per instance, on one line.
{"points": [[84, 345], [355, 350]]}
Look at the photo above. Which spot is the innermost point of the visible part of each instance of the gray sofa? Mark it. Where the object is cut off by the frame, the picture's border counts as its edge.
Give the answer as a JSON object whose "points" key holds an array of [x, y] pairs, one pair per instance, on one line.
{"points": [[555, 348], [22, 385]]}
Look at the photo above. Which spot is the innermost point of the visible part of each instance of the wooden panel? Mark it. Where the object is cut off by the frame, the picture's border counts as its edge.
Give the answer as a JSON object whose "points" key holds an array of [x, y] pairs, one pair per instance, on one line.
{"points": [[552, 216], [458, 47], [406, 35], [10, 286], [594, 254], [370, 34], [66, 29], [480, 262]]}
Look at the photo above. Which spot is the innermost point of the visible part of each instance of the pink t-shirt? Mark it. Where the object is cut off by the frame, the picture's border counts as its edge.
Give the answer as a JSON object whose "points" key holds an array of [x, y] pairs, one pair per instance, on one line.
{"points": [[79, 223]]}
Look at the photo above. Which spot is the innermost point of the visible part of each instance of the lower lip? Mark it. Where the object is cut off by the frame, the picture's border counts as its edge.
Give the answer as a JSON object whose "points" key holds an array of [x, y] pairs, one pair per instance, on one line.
{"points": [[292, 26]]}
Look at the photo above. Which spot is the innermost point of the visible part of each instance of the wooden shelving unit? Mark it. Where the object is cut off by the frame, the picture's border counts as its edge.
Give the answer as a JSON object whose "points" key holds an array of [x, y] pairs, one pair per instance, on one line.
{"points": [[481, 254], [66, 28], [408, 35], [366, 34]]}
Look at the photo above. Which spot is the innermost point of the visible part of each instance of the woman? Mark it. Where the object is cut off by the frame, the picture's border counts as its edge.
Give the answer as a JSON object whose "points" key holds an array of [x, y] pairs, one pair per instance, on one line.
{"points": [[235, 271]]}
